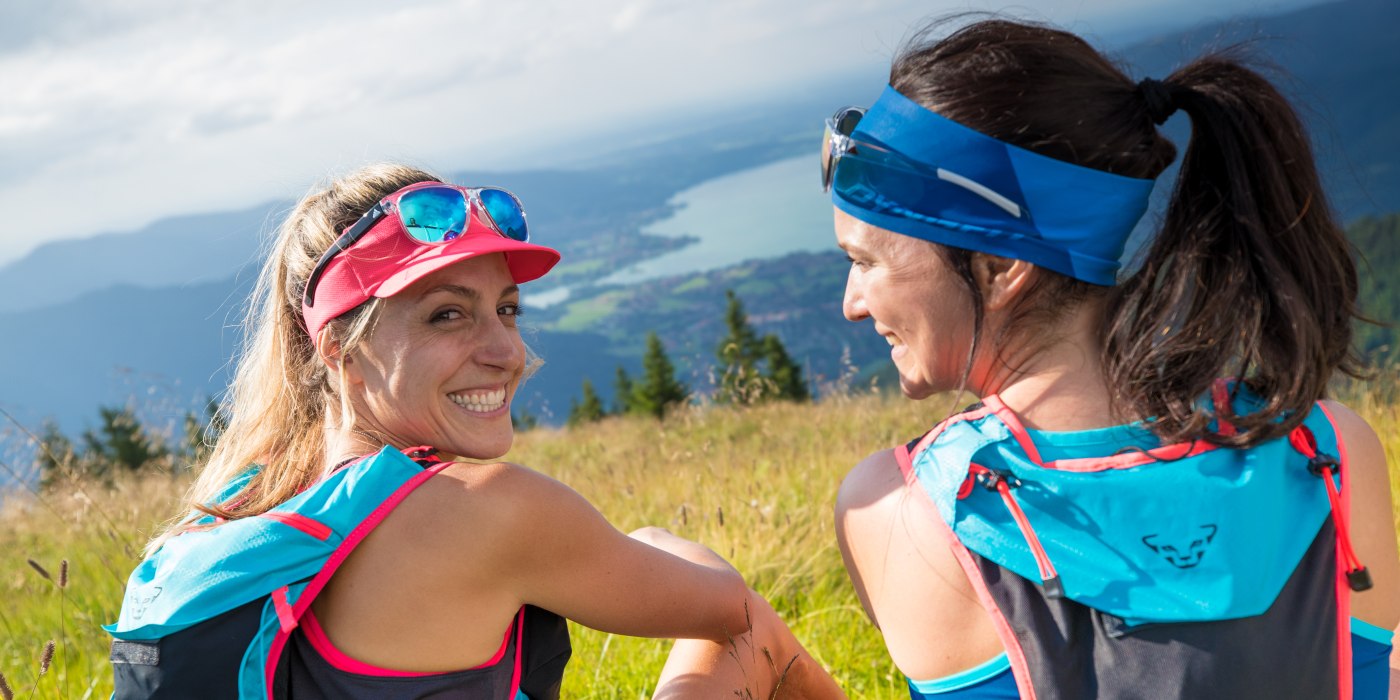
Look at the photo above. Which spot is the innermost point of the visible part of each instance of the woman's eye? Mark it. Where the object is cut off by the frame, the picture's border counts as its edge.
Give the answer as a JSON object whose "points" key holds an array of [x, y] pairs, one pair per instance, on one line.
{"points": [[854, 262], [447, 315], [510, 310]]}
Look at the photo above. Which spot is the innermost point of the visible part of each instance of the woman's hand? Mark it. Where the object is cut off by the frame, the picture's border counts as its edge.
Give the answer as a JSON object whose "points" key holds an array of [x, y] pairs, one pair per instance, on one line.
{"points": [[766, 661]]}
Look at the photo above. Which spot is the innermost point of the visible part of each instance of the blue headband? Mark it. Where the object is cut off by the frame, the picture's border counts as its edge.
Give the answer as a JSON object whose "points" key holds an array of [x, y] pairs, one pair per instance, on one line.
{"points": [[949, 184]]}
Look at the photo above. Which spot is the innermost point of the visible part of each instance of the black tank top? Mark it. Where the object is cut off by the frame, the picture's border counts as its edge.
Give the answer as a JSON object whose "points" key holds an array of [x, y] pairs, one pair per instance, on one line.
{"points": [[530, 664]]}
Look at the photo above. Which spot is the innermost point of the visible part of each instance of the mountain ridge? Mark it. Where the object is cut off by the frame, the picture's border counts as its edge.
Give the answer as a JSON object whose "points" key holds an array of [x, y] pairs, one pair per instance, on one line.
{"points": [[71, 332]]}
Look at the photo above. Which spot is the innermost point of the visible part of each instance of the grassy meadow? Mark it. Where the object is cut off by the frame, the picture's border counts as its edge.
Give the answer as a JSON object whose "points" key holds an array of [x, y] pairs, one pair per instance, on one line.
{"points": [[755, 484]]}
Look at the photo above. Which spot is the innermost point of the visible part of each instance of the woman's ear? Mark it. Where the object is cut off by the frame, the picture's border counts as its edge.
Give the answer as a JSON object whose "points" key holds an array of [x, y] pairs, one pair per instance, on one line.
{"points": [[1002, 280], [333, 356]]}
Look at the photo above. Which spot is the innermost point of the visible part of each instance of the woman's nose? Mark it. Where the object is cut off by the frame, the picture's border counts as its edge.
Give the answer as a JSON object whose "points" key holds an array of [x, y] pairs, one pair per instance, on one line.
{"points": [[853, 303], [502, 348]]}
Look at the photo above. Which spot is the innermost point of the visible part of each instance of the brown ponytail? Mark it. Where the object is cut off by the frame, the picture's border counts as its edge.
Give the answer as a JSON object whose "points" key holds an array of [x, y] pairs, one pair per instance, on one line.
{"points": [[1250, 276]]}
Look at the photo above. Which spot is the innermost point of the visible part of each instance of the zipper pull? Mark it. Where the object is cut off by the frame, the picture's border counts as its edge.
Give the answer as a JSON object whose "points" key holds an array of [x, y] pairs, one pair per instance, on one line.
{"points": [[1323, 465], [1001, 483]]}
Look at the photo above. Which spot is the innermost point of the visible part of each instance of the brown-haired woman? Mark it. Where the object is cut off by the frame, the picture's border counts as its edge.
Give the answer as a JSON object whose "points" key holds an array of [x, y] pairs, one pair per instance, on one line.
{"points": [[1153, 497], [339, 546]]}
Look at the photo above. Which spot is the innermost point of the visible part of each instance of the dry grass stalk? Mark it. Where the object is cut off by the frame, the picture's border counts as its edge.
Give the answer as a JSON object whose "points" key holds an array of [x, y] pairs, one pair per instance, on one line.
{"points": [[63, 574], [5, 692], [42, 571], [46, 658]]}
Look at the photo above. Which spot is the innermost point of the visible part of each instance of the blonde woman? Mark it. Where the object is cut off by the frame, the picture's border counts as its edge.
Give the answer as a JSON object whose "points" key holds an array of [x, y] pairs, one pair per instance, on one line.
{"points": [[339, 547]]}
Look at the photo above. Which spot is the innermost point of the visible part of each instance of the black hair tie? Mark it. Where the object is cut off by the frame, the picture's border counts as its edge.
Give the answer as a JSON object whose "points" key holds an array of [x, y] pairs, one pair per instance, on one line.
{"points": [[1158, 96]]}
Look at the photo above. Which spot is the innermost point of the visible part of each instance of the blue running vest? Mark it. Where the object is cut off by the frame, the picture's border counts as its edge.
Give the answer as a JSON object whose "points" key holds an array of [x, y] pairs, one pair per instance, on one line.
{"points": [[213, 612], [1173, 571]]}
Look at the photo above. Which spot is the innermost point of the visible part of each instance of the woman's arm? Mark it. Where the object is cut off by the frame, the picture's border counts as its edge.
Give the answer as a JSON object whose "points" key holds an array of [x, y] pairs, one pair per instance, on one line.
{"points": [[559, 553], [767, 662], [907, 576], [1372, 526]]}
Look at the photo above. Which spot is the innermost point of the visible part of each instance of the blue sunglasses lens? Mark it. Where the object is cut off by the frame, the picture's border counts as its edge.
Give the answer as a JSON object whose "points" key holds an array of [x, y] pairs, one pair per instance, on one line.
{"points": [[505, 211], [433, 214]]}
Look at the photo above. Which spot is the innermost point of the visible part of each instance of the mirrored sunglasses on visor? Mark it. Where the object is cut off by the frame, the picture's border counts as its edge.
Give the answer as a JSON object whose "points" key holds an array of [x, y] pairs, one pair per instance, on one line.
{"points": [[433, 213]]}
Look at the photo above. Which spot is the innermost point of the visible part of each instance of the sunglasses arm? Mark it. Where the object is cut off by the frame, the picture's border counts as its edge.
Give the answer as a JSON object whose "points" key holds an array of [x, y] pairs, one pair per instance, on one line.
{"points": [[347, 239]]}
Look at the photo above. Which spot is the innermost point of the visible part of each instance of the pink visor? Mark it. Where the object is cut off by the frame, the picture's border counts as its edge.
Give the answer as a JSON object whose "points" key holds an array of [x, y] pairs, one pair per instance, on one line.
{"points": [[387, 260]]}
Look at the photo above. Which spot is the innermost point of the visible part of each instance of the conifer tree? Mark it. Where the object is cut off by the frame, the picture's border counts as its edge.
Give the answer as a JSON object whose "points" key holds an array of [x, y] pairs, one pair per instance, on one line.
{"points": [[754, 369], [623, 402], [122, 441], [783, 374], [56, 455], [587, 410], [738, 354], [659, 389]]}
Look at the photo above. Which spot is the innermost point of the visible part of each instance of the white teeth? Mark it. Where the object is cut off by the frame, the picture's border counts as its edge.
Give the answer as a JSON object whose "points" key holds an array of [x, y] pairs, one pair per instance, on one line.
{"points": [[480, 401], [890, 339]]}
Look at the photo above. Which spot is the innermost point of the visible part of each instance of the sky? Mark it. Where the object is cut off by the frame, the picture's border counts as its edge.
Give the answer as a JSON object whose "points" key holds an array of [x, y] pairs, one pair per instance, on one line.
{"points": [[116, 114]]}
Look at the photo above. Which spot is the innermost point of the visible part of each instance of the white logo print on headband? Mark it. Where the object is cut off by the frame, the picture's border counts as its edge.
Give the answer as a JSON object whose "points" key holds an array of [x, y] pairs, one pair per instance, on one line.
{"points": [[980, 190]]}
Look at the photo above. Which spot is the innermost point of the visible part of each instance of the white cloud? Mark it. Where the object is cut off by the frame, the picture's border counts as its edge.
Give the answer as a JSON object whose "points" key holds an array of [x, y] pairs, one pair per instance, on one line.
{"points": [[115, 115]]}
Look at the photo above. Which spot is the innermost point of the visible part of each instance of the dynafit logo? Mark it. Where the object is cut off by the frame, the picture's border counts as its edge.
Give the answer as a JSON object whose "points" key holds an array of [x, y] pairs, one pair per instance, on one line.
{"points": [[1183, 553], [139, 605]]}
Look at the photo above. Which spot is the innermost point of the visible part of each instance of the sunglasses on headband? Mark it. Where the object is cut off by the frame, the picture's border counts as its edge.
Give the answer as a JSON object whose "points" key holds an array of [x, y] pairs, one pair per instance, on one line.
{"points": [[434, 213], [838, 143]]}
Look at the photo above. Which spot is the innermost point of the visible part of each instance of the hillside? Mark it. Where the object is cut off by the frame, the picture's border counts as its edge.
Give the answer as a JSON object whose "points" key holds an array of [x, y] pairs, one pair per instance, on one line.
{"points": [[755, 484]]}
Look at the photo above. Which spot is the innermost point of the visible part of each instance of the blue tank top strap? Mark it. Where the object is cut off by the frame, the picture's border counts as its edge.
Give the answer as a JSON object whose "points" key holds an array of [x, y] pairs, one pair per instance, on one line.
{"points": [[992, 679], [1371, 648], [1370, 660]]}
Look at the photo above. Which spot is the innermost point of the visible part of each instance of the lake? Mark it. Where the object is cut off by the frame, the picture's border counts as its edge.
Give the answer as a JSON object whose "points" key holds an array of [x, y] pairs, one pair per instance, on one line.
{"points": [[763, 212]]}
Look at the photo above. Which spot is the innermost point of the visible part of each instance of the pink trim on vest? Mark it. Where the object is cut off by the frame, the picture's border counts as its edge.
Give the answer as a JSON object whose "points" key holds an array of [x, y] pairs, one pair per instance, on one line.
{"points": [[1126, 460], [323, 645], [311, 627], [519, 653], [906, 465], [944, 425], [286, 620], [1343, 587], [1020, 669], [279, 641], [311, 527], [1220, 395]]}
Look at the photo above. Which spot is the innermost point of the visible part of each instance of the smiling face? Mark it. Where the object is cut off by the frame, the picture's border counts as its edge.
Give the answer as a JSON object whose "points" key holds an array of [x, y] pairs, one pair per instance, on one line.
{"points": [[443, 362], [916, 302]]}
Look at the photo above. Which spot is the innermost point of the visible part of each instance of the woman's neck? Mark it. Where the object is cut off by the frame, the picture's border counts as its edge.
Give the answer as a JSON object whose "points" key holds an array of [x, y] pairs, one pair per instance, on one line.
{"points": [[1057, 383], [346, 442]]}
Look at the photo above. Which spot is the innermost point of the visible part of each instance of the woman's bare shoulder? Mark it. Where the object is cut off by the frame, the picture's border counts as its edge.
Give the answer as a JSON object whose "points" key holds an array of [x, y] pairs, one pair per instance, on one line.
{"points": [[1372, 526], [490, 510], [870, 481], [905, 573]]}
